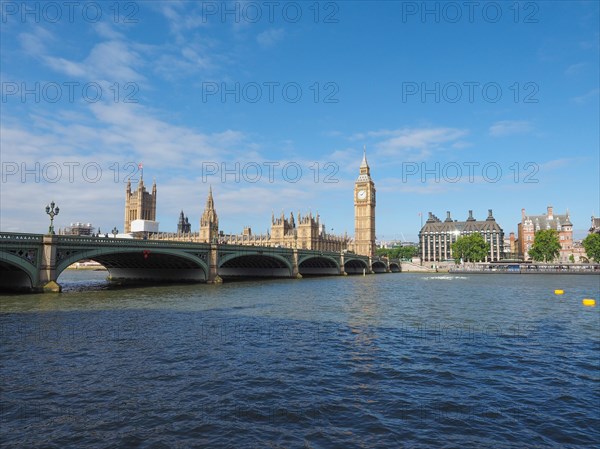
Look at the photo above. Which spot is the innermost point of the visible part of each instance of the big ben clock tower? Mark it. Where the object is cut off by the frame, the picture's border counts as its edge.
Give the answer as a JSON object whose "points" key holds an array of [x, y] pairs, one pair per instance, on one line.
{"points": [[364, 211]]}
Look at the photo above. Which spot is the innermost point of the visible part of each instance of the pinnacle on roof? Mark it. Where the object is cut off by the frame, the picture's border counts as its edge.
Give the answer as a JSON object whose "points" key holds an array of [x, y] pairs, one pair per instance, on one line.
{"points": [[365, 171], [210, 203], [568, 222], [364, 163]]}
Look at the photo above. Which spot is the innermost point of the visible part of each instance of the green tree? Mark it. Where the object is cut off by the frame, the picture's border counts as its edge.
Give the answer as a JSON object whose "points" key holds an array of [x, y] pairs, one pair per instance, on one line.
{"points": [[383, 252], [592, 246], [398, 252], [470, 248], [408, 252], [572, 258], [392, 253], [546, 246]]}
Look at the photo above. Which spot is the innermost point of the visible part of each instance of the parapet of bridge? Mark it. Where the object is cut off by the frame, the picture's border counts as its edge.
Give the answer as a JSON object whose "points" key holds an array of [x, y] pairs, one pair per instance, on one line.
{"points": [[248, 239], [34, 262]]}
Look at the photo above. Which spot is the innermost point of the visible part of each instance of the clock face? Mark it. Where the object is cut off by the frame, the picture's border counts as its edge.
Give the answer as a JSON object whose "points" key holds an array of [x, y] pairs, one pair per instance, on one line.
{"points": [[362, 194]]}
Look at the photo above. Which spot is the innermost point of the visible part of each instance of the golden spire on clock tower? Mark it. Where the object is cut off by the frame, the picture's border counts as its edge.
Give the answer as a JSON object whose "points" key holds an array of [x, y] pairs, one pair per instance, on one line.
{"points": [[364, 210], [364, 165]]}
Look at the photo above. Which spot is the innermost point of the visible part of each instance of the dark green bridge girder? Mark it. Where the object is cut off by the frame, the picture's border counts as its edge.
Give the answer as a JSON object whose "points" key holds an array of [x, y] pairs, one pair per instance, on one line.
{"points": [[29, 260], [319, 258], [20, 260], [251, 256], [115, 257]]}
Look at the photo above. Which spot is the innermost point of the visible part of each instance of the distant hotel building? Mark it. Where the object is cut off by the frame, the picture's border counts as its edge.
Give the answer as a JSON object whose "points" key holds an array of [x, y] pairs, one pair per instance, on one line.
{"points": [[436, 237], [530, 224]]}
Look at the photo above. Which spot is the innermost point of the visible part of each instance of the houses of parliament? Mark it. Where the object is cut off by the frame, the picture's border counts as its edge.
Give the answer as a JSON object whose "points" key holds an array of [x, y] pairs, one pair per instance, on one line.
{"points": [[303, 231]]}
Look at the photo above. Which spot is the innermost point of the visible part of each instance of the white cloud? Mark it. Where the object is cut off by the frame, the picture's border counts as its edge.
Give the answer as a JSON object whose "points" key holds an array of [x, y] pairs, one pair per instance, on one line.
{"points": [[194, 58], [347, 160], [118, 59], [592, 43], [182, 18], [107, 31], [270, 37], [459, 145], [414, 186], [34, 43], [114, 60], [110, 60], [509, 127], [559, 164], [575, 69], [588, 96], [115, 137], [414, 143]]}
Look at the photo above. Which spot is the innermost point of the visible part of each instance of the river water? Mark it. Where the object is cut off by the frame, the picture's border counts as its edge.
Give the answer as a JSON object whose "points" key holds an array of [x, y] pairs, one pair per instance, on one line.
{"points": [[379, 361]]}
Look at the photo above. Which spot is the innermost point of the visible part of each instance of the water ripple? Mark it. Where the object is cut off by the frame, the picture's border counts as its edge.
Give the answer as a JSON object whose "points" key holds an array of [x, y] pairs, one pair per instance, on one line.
{"points": [[387, 361]]}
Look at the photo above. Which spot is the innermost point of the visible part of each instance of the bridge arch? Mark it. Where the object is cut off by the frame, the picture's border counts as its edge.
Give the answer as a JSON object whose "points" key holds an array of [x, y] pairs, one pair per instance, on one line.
{"points": [[254, 264], [134, 264], [318, 264], [395, 267], [379, 266], [17, 273], [356, 266]]}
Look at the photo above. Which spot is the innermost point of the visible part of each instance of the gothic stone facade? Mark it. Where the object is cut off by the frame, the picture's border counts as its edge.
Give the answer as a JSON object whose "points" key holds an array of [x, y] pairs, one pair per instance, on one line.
{"points": [[209, 222], [302, 232], [307, 232], [140, 204], [183, 225], [364, 211]]}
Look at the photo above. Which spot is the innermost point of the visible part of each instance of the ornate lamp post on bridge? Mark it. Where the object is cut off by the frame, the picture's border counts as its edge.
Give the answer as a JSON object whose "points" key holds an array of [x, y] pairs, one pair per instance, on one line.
{"points": [[115, 231], [52, 211]]}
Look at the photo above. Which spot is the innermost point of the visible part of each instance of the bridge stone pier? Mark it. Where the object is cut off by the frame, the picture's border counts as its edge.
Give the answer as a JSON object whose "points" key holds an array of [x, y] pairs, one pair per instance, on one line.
{"points": [[33, 262]]}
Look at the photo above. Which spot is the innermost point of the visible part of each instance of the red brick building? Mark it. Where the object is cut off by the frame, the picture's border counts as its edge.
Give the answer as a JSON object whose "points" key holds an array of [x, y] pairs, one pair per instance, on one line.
{"points": [[530, 224]]}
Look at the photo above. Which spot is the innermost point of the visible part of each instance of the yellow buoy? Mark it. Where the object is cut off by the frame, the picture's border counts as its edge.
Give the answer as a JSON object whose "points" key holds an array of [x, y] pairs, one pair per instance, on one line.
{"points": [[559, 292], [589, 302]]}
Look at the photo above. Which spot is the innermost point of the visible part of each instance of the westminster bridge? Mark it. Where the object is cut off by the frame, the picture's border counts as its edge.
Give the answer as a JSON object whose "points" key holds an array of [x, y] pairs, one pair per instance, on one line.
{"points": [[33, 262]]}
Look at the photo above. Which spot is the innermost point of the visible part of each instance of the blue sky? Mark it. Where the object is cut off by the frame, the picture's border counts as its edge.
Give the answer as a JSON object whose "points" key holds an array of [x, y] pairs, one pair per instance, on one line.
{"points": [[461, 106]]}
